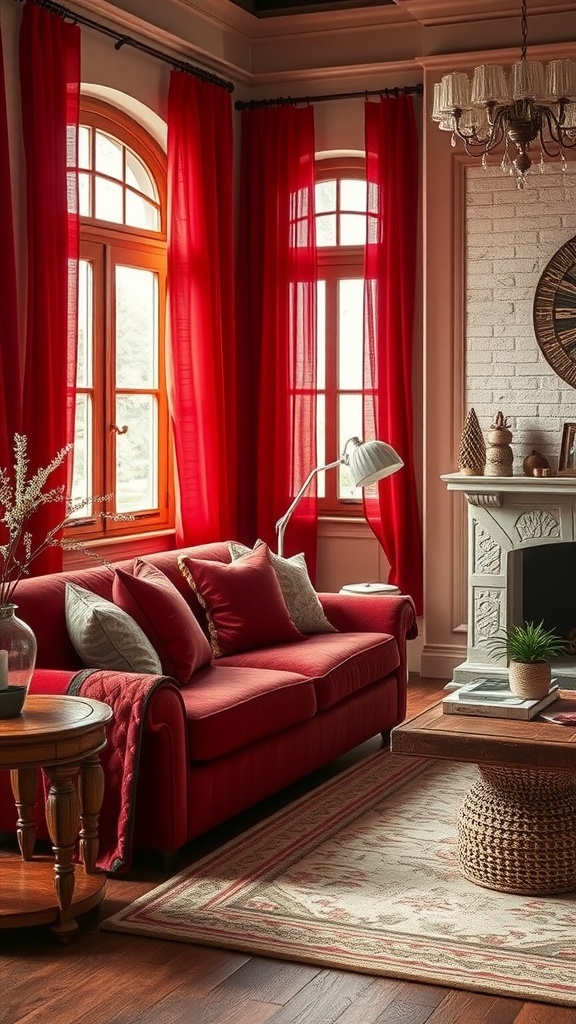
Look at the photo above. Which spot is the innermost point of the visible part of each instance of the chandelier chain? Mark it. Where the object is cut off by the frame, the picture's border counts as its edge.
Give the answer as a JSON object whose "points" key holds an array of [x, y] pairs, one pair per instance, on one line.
{"points": [[524, 24]]}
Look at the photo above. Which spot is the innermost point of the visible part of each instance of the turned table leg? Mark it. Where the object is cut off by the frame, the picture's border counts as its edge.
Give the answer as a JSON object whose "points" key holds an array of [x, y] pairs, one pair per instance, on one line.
{"points": [[91, 791], [63, 820], [24, 787]]}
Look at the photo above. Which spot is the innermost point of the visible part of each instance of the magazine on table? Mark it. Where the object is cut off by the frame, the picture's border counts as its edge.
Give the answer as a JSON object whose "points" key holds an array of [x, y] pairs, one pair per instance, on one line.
{"points": [[563, 712], [492, 698]]}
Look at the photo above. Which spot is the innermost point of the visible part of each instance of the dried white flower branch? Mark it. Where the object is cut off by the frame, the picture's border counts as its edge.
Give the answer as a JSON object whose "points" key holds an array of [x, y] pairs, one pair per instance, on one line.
{"points": [[20, 498]]}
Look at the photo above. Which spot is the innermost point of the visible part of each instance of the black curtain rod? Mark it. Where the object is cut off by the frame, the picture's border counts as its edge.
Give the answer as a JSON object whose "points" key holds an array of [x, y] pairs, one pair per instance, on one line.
{"points": [[121, 40], [399, 90]]}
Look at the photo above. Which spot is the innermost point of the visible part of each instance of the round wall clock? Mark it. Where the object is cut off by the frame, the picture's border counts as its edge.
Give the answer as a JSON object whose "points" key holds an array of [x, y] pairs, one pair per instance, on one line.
{"points": [[555, 312]]}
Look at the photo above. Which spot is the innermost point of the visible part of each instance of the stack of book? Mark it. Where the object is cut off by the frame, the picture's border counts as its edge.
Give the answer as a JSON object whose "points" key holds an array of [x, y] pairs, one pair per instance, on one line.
{"points": [[493, 698]]}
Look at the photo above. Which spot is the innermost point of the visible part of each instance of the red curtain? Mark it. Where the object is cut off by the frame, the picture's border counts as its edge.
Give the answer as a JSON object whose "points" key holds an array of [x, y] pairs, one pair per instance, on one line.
{"points": [[11, 386], [50, 90], [390, 268], [201, 307], [277, 325]]}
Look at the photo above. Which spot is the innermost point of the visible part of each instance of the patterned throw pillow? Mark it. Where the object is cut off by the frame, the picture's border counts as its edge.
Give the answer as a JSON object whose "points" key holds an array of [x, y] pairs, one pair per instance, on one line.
{"points": [[105, 636], [152, 600], [301, 599], [243, 602]]}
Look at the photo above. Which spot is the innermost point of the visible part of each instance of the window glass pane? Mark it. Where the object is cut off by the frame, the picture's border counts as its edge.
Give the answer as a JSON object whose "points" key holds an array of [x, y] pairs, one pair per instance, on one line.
{"points": [[321, 444], [138, 177], [84, 197], [136, 327], [109, 201], [350, 331], [136, 453], [109, 156], [349, 425], [325, 196], [85, 324], [352, 229], [82, 461], [321, 335], [352, 194], [140, 213], [84, 152], [326, 230]]}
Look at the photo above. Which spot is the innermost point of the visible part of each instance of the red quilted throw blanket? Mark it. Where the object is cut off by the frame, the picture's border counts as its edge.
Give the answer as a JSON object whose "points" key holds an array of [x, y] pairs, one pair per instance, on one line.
{"points": [[120, 756]]}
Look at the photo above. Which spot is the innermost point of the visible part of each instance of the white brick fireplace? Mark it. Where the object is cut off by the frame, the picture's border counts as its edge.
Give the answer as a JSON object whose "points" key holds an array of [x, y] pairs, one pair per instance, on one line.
{"points": [[507, 516]]}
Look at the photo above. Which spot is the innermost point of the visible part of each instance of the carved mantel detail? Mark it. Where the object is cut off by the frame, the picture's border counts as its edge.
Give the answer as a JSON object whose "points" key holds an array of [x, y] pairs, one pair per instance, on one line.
{"points": [[487, 614], [487, 553], [537, 524], [485, 500]]}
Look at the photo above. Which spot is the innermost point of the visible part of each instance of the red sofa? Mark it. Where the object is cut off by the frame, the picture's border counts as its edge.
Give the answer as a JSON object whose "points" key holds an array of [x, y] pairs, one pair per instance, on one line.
{"points": [[245, 725]]}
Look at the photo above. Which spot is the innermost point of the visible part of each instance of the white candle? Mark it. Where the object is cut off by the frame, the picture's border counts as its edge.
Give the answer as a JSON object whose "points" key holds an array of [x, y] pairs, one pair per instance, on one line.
{"points": [[3, 670]]}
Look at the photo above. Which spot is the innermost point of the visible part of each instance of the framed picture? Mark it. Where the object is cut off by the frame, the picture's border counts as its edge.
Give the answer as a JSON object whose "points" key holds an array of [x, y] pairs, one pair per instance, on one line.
{"points": [[567, 460]]}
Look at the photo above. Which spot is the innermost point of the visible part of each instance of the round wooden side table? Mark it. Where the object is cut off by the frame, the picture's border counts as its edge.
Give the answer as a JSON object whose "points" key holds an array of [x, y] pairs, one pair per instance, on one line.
{"points": [[63, 736]]}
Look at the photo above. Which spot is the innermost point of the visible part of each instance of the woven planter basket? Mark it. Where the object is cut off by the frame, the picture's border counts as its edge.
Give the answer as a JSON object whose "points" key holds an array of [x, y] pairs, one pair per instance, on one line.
{"points": [[530, 680], [517, 830]]}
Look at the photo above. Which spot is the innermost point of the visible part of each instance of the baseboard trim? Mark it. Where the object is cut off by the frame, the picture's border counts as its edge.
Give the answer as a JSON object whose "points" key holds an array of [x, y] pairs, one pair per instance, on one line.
{"points": [[439, 662]]}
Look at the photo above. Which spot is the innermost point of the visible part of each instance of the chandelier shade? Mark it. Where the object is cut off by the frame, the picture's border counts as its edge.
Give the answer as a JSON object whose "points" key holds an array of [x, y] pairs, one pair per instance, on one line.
{"points": [[531, 104]]}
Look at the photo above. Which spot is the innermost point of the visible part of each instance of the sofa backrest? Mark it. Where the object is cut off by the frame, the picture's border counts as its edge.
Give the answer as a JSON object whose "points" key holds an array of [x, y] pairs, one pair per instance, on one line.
{"points": [[41, 599]]}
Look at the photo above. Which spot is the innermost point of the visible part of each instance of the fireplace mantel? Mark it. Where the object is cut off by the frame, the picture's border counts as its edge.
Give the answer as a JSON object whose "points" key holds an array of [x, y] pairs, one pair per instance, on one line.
{"points": [[507, 514], [501, 485]]}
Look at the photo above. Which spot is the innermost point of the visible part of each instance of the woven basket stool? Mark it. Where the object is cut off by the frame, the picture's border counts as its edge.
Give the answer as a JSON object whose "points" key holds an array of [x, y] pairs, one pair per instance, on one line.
{"points": [[517, 831]]}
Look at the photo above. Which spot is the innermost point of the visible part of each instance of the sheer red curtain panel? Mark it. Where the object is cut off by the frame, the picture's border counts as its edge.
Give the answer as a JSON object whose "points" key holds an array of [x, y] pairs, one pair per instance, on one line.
{"points": [[390, 270], [202, 360], [50, 89], [277, 326]]}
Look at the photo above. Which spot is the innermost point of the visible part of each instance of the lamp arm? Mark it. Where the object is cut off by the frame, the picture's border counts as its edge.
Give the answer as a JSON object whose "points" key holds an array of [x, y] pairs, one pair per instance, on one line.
{"points": [[283, 522]]}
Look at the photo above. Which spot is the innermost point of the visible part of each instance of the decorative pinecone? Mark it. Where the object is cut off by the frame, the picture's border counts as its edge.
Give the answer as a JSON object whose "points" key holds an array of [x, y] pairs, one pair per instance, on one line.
{"points": [[472, 454]]}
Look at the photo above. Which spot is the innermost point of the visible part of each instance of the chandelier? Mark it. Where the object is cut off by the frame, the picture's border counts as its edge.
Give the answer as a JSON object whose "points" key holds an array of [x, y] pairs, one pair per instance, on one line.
{"points": [[534, 103]]}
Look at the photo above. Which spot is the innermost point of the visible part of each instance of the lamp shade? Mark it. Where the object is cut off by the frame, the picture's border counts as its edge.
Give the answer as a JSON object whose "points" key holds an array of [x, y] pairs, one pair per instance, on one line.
{"points": [[370, 461]]}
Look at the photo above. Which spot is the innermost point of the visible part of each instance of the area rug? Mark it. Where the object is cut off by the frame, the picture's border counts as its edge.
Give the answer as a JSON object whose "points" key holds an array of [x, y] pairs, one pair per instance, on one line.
{"points": [[361, 874]]}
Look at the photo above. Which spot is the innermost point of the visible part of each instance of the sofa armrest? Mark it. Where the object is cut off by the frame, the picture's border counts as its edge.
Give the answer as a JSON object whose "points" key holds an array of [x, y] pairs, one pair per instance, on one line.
{"points": [[159, 806], [372, 613], [377, 613]]}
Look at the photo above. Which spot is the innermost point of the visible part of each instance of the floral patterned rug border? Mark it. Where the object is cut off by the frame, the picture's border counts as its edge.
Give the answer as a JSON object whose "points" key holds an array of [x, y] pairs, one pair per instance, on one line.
{"points": [[361, 874]]}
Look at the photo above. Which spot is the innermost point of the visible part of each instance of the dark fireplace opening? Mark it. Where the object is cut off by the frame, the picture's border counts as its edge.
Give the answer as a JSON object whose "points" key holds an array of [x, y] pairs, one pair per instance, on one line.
{"points": [[549, 588]]}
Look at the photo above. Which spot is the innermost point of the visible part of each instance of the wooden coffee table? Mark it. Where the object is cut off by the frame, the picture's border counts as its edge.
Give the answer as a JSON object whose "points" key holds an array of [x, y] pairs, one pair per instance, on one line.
{"points": [[517, 824], [63, 736]]}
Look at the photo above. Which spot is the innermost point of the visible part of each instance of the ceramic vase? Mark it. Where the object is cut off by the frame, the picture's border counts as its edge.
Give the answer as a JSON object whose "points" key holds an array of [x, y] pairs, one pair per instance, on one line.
{"points": [[17, 661]]}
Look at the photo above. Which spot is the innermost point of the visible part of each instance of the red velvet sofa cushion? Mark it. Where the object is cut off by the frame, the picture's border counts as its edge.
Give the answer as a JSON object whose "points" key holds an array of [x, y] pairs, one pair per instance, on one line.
{"points": [[228, 708], [164, 617], [243, 602], [338, 663]]}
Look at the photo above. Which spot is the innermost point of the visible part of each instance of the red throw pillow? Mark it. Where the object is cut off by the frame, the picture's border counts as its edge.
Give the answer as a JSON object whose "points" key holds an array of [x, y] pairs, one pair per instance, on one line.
{"points": [[163, 615], [243, 602]]}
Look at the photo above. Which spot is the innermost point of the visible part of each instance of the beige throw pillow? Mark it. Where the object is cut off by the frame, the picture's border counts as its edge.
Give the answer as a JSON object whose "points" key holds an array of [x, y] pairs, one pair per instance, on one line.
{"points": [[106, 637], [301, 599]]}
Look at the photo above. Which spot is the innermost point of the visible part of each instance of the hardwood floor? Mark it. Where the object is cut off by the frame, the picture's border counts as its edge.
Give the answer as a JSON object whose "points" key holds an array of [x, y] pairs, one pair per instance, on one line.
{"points": [[108, 978]]}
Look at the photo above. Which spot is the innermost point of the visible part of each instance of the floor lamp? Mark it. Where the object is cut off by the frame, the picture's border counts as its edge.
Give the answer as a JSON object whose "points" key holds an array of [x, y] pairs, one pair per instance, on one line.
{"points": [[368, 462]]}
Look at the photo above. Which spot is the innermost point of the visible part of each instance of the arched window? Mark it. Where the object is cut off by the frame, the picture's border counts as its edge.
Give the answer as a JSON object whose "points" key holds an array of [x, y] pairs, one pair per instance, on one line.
{"points": [[121, 431], [341, 200]]}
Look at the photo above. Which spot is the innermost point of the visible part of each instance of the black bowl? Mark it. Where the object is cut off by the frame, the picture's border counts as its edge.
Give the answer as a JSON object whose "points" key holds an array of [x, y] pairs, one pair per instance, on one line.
{"points": [[12, 701]]}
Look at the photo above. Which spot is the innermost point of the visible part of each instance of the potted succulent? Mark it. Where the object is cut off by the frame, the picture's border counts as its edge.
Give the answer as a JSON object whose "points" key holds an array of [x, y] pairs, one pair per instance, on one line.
{"points": [[529, 650]]}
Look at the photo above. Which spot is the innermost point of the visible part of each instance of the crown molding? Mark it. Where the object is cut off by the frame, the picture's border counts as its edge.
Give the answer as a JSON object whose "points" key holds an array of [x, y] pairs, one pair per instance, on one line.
{"points": [[359, 77], [202, 43], [505, 56], [433, 13]]}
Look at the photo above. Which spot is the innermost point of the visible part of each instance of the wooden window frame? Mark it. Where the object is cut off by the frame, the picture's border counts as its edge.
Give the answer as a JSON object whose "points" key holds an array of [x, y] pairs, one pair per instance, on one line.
{"points": [[336, 263], [107, 244]]}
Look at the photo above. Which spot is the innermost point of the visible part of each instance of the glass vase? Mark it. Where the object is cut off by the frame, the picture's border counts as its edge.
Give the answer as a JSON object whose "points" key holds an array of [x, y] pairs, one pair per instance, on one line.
{"points": [[17, 660]]}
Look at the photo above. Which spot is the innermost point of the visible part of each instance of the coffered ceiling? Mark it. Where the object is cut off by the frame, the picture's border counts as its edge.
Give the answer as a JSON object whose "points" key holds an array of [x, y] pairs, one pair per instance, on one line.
{"points": [[269, 8]]}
